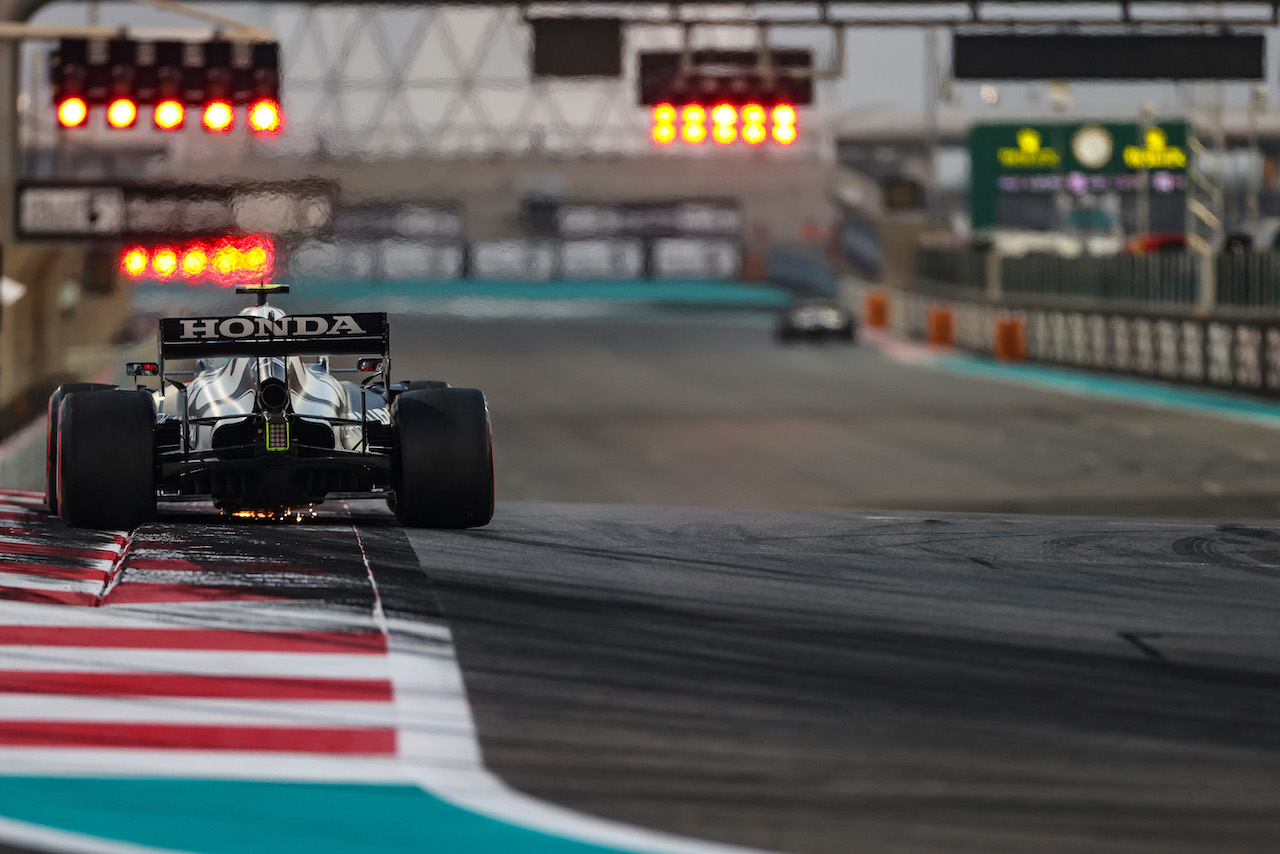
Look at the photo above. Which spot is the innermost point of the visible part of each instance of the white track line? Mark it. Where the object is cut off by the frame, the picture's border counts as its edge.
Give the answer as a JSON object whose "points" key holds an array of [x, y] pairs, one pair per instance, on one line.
{"points": [[198, 711], [419, 671], [305, 665]]}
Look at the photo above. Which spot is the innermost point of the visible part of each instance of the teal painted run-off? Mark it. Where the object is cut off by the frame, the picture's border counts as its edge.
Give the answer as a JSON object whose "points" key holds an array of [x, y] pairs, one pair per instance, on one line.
{"points": [[230, 817], [693, 292], [1135, 390]]}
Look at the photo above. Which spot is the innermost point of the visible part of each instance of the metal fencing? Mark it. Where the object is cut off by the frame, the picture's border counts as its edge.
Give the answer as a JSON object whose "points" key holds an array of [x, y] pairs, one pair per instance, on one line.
{"points": [[1164, 280], [963, 267], [1168, 278], [1237, 355]]}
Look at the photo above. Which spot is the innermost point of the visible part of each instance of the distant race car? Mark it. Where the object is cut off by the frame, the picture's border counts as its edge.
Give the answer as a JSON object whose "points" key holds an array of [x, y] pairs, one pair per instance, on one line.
{"points": [[262, 424], [813, 320]]}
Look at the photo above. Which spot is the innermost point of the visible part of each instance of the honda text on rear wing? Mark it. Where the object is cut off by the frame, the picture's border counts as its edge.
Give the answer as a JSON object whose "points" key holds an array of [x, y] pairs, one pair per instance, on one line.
{"points": [[290, 335]]}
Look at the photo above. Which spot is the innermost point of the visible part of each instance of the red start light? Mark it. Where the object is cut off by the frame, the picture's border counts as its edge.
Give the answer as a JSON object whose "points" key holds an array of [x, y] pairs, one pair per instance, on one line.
{"points": [[134, 262], [164, 262], [218, 117], [72, 112], [265, 117], [122, 113], [248, 259], [230, 261], [195, 261], [169, 114]]}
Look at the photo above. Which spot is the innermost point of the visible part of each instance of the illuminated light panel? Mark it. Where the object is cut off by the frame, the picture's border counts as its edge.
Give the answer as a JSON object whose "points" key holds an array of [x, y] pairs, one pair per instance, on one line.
{"points": [[230, 261], [694, 134], [218, 117], [724, 124], [265, 117], [195, 261], [169, 115], [122, 113], [784, 124], [134, 262], [693, 130], [664, 114], [663, 131], [249, 259], [72, 112], [693, 114], [164, 262]]}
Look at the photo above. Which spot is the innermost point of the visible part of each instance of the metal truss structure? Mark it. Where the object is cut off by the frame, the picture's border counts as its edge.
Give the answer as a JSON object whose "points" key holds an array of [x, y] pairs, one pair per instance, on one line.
{"points": [[440, 80], [456, 81]]}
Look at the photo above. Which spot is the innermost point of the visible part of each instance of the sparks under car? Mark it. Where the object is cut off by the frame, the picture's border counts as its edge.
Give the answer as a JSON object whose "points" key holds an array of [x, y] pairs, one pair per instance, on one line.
{"points": [[259, 420]]}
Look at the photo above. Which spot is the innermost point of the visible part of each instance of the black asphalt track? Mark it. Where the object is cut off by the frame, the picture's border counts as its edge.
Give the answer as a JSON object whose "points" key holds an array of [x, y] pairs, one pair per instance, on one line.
{"points": [[838, 682], [826, 681]]}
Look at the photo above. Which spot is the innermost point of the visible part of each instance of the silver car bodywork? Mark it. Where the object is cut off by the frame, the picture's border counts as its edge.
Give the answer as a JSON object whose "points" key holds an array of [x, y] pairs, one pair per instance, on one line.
{"points": [[213, 431]]}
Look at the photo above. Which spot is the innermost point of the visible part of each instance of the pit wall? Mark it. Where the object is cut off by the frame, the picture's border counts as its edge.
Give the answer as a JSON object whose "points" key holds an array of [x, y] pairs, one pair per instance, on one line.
{"points": [[56, 332], [1231, 354]]}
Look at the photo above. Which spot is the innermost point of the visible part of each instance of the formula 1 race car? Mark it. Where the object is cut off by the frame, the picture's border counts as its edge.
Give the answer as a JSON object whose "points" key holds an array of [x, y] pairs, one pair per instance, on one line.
{"points": [[816, 320], [262, 425]]}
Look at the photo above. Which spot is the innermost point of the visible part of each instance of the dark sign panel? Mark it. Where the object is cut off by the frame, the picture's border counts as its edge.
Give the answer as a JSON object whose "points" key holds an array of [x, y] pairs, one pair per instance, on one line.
{"points": [[297, 334], [1078, 158], [731, 76], [1110, 57], [690, 217], [577, 47], [80, 211]]}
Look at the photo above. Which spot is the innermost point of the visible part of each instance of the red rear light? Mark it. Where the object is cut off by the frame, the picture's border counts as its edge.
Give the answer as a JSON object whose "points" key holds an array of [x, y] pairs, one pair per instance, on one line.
{"points": [[122, 113], [265, 116], [218, 117], [72, 112], [170, 115]]}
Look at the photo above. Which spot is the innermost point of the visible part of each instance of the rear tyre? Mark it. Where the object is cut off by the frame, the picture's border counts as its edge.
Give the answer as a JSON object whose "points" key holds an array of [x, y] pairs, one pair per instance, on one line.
{"points": [[51, 439], [442, 465], [106, 459]]}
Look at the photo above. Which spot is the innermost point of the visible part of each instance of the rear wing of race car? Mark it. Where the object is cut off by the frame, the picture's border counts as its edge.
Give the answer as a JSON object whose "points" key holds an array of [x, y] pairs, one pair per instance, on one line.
{"points": [[362, 333]]}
